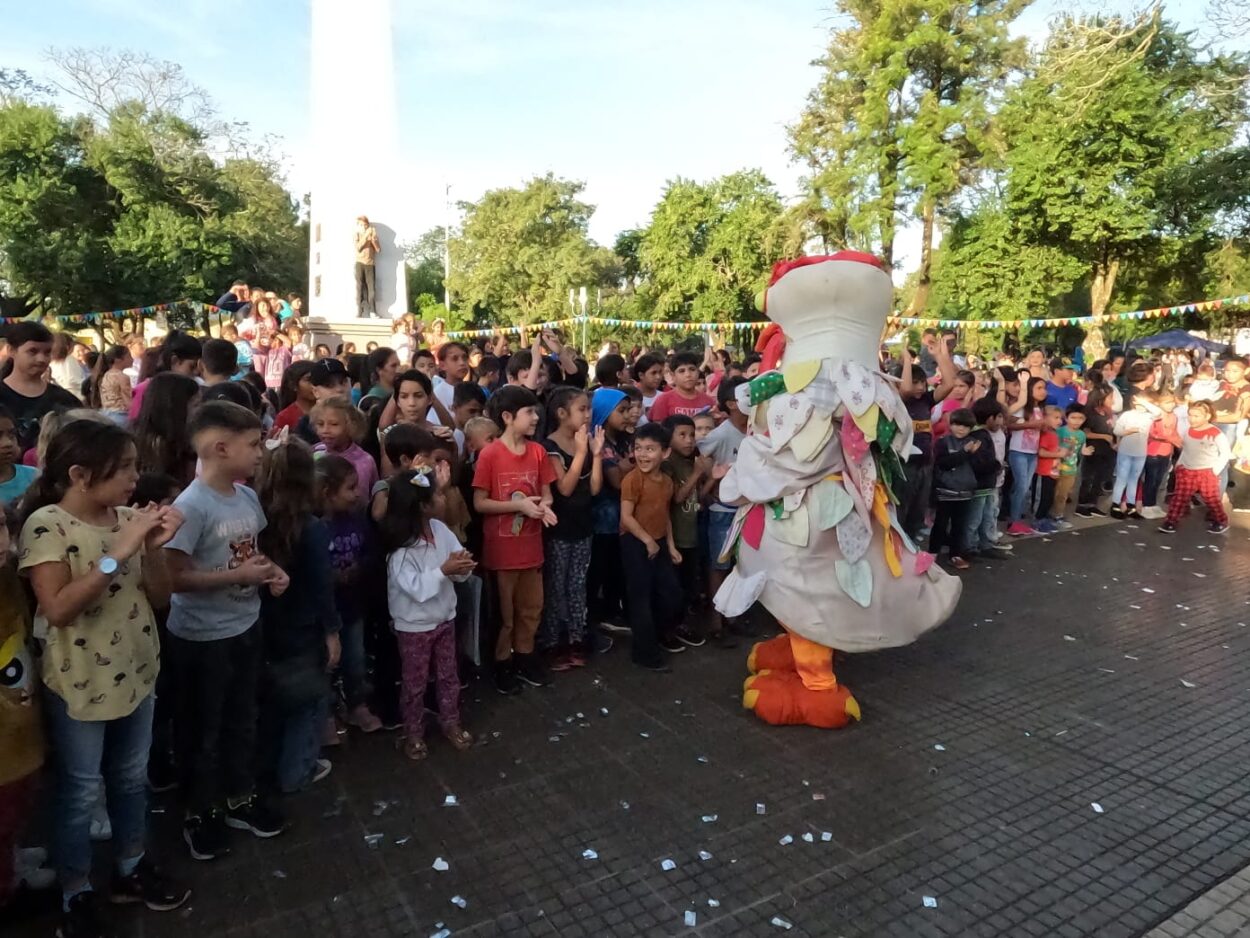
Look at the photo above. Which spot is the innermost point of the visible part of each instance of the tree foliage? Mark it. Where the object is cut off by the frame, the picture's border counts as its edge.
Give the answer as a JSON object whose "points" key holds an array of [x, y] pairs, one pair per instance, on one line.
{"points": [[520, 251]]}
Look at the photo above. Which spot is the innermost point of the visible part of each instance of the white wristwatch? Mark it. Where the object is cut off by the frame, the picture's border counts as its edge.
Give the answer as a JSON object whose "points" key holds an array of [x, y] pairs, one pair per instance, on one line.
{"points": [[107, 565]]}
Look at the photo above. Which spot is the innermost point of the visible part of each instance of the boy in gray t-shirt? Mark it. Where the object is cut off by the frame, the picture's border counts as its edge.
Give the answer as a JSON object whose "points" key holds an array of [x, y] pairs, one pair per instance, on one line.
{"points": [[215, 654]]}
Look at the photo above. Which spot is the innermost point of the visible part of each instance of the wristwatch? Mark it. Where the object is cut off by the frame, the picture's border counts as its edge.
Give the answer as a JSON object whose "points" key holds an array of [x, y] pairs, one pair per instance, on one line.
{"points": [[107, 565]]}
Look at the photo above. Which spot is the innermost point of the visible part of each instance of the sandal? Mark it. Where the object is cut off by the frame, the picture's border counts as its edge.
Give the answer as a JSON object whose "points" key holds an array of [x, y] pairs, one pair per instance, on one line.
{"points": [[459, 737], [414, 749]]}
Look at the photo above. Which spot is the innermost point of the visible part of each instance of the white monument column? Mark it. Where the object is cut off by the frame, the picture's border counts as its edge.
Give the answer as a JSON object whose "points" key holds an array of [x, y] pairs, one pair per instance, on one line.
{"points": [[354, 156]]}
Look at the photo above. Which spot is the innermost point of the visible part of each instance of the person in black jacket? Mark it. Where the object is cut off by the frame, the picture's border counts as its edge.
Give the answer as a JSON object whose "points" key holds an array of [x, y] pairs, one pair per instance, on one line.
{"points": [[957, 458], [981, 529]]}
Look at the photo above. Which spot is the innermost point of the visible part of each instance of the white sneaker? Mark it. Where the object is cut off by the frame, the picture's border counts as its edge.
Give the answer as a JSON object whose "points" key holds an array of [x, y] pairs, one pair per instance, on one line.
{"points": [[1153, 512], [322, 770], [37, 878], [101, 829], [29, 858]]}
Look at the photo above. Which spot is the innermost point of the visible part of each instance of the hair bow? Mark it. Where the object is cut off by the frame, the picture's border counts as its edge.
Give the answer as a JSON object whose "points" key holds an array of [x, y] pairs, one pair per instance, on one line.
{"points": [[279, 439], [421, 476]]}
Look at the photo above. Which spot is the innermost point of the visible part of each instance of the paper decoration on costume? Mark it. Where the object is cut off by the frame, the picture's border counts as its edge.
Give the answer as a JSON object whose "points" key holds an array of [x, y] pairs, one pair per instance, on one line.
{"points": [[759, 417], [854, 444], [800, 374], [855, 579], [907, 541], [731, 539], [822, 391], [854, 537], [887, 430], [767, 385], [893, 553], [924, 561], [856, 387], [792, 501], [738, 593], [829, 503], [812, 439], [753, 526], [742, 394], [792, 528], [867, 422], [787, 415]]}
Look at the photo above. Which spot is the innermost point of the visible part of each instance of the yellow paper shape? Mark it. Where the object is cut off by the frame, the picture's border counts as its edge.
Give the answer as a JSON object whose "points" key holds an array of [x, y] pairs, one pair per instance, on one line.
{"points": [[892, 558], [800, 375], [881, 507], [761, 417], [867, 422]]}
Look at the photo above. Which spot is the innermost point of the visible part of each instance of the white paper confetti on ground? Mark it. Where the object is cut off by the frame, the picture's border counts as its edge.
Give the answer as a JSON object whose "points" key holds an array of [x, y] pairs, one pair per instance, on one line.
{"points": [[786, 840], [759, 808], [929, 902], [278, 874], [442, 933], [826, 836], [603, 711], [1186, 683], [450, 801], [702, 759], [460, 902], [1096, 806], [667, 865], [1069, 638], [809, 837], [441, 865], [645, 735], [1146, 589], [781, 922], [372, 840], [713, 903], [710, 818], [589, 854], [939, 747], [704, 855], [690, 919]]}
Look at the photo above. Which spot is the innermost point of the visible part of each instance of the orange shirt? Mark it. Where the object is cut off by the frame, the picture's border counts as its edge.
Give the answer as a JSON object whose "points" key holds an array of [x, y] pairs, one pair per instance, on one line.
{"points": [[652, 496]]}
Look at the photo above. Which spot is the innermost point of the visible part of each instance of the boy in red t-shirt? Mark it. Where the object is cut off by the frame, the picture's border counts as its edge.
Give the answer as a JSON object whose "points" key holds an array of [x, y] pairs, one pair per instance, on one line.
{"points": [[684, 398], [512, 491], [1049, 455]]}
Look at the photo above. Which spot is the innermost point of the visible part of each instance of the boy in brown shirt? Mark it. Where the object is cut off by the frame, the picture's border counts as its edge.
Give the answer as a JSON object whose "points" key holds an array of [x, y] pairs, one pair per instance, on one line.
{"points": [[648, 555]]}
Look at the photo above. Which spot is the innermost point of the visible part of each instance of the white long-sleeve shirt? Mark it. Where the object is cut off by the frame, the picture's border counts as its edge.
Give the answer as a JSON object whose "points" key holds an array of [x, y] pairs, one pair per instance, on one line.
{"points": [[421, 596], [1205, 449], [1133, 444]]}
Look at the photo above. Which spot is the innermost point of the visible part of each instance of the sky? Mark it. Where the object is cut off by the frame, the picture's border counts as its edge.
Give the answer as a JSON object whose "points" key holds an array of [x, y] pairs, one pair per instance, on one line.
{"points": [[621, 95]]}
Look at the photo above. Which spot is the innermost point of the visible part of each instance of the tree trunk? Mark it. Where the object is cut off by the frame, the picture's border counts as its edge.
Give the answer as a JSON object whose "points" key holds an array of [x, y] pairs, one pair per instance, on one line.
{"points": [[1100, 290], [924, 281]]}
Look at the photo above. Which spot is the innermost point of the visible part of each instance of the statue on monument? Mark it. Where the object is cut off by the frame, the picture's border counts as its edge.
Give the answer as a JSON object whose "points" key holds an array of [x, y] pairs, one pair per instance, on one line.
{"points": [[367, 247]]}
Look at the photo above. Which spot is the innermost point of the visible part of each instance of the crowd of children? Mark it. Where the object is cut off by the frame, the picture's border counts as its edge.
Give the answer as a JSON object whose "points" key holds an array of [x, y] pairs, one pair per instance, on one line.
{"points": [[219, 567]]}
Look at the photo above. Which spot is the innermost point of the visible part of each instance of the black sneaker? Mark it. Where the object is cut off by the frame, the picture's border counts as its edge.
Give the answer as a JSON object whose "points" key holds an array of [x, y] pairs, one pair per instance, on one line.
{"points": [[161, 775], [1085, 512], [687, 637], [506, 681], [532, 671], [255, 815], [603, 644], [205, 835], [1117, 513], [82, 919], [1097, 512], [1218, 528], [148, 885], [1167, 527], [659, 667], [670, 644]]}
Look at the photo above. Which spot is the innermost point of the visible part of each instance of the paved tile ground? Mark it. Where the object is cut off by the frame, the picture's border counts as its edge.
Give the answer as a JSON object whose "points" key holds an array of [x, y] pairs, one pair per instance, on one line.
{"points": [[1222, 912], [1091, 667]]}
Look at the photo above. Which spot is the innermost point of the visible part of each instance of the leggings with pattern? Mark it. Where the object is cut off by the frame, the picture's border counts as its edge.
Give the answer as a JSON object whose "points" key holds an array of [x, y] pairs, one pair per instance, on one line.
{"points": [[565, 563], [418, 653]]}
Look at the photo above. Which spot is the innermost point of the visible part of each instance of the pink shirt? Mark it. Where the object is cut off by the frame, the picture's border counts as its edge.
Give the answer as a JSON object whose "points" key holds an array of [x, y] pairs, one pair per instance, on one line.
{"points": [[136, 398], [674, 402], [366, 468]]}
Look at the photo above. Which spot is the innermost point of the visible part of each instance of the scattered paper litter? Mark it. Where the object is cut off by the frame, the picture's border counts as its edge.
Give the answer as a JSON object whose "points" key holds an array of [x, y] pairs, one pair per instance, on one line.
{"points": [[645, 735], [1201, 576], [713, 903], [781, 922], [450, 801], [817, 796], [460, 902], [603, 711], [929, 902], [1106, 670], [1146, 589], [690, 919], [710, 818], [1069, 638], [278, 874], [589, 854], [702, 759], [759, 807], [1185, 683], [1132, 658], [786, 840], [442, 933], [624, 805], [372, 840], [667, 864], [441, 865], [939, 747], [826, 836], [400, 841], [1096, 806], [704, 855], [809, 838]]}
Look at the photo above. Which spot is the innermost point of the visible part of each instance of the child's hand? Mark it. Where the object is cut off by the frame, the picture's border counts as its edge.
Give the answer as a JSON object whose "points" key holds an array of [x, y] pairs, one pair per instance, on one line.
{"points": [[278, 582], [972, 446], [596, 442], [674, 554], [334, 651], [1088, 451], [135, 531], [581, 441], [652, 548], [702, 465], [443, 433], [549, 516], [442, 475], [170, 521], [531, 507], [626, 465], [458, 563], [256, 570]]}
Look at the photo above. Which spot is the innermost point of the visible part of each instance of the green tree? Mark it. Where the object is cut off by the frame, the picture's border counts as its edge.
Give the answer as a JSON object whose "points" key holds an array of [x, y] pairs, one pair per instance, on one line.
{"points": [[901, 119], [1119, 147], [424, 265], [708, 247], [520, 251]]}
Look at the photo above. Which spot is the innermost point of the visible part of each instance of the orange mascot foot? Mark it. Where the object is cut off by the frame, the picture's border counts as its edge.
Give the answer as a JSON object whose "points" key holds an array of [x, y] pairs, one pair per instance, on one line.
{"points": [[781, 699], [775, 654]]}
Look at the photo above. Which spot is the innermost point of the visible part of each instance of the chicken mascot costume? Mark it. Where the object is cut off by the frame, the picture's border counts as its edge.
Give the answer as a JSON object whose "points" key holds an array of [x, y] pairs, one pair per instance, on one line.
{"points": [[816, 536]]}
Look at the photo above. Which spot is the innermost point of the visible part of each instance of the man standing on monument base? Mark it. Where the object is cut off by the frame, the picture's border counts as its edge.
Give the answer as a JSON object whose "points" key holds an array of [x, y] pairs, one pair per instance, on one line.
{"points": [[367, 248]]}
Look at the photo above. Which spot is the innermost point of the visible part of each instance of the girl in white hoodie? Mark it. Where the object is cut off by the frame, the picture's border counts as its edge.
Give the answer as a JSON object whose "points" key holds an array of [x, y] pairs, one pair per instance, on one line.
{"points": [[1204, 455], [423, 560]]}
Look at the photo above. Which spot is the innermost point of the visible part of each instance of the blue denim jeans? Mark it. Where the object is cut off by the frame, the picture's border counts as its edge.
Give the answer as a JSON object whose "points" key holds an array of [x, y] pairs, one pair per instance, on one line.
{"points": [[1128, 470], [1023, 465], [352, 661], [289, 743], [981, 526], [84, 751], [1230, 433]]}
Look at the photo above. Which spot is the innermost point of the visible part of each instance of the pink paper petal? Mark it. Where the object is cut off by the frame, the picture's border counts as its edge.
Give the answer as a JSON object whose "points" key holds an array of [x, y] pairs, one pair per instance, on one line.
{"points": [[753, 527], [924, 560], [854, 446]]}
